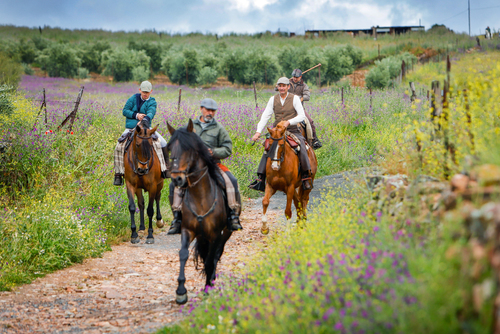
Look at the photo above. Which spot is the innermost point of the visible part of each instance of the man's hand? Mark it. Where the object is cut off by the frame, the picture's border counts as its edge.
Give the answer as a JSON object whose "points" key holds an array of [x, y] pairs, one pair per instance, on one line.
{"points": [[256, 136], [287, 123], [301, 99], [210, 151], [140, 116]]}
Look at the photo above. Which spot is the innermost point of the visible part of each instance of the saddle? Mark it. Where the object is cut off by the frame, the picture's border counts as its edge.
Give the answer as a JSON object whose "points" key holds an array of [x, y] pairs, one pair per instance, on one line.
{"points": [[128, 138], [291, 139]]}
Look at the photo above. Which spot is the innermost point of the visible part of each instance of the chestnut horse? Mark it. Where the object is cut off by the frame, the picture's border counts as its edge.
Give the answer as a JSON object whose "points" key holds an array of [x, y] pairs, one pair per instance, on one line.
{"points": [[143, 171], [204, 212], [282, 173]]}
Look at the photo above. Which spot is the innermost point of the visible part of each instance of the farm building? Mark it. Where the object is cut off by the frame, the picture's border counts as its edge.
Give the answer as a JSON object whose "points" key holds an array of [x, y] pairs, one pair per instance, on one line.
{"points": [[374, 31]]}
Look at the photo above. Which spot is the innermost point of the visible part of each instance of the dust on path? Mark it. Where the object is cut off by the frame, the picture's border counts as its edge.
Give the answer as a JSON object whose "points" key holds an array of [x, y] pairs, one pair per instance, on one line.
{"points": [[132, 288]]}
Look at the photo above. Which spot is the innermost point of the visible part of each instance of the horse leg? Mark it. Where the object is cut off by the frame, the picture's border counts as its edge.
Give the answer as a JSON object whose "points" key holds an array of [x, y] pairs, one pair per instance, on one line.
{"points": [[304, 199], [181, 292], [152, 194], [159, 220], [209, 264], [140, 203], [265, 203], [220, 249], [134, 238], [290, 193], [297, 203]]}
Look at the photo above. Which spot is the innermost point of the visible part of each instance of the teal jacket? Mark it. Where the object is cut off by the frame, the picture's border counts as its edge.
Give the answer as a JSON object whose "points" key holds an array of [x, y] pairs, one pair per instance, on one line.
{"points": [[130, 110], [216, 138]]}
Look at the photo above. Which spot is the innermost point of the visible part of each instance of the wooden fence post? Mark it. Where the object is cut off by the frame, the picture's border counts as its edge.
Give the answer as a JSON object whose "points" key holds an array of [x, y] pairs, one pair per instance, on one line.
{"points": [[71, 117], [403, 70], [413, 93], [319, 77], [42, 106], [371, 99], [179, 103], [342, 95], [255, 95], [435, 104], [469, 120]]}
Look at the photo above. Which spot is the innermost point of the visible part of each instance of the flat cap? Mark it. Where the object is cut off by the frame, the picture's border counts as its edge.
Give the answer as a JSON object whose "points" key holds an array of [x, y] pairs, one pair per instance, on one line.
{"points": [[296, 73], [209, 104], [146, 86], [283, 80]]}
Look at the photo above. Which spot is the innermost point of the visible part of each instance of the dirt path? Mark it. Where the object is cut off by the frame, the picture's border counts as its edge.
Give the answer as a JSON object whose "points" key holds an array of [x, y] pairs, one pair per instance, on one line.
{"points": [[129, 290], [132, 288]]}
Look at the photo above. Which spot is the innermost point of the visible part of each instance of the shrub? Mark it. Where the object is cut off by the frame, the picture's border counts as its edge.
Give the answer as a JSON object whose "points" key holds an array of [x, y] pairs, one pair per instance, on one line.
{"points": [[339, 63], [27, 69], [387, 69], [27, 52], [182, 66], [262, 67], [378, 77], [140, 73], [152, 50], [59, 60], [207, 75], [40, 43], [83, 73], [6, 106], [120, 63], [10, 70], [233, 65]]}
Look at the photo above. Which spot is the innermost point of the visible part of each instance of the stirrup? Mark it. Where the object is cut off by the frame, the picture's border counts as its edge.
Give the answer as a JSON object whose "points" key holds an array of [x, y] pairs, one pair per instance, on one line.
{"points": [[165, 174], [175, 228], [258, 184], [306, 183], [118, 180], [316, 144]]}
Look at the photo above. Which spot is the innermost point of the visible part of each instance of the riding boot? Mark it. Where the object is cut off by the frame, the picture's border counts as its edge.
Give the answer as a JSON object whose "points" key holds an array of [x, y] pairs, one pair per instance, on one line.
{"points": [[316, 143], [118, 180], [306, 181], [165, 174], [234, 221], [175, 228], [259, 184]]}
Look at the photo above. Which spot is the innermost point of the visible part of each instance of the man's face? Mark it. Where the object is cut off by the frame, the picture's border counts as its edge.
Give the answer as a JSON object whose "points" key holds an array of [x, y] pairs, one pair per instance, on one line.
{"points": [[297, 79], [282, 88], [207, 114], [145, 95]]}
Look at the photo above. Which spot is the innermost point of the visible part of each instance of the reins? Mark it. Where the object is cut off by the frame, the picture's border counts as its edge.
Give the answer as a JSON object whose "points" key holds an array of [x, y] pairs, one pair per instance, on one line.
{"points": [[213, 191], [273, 147], [136, 159]]}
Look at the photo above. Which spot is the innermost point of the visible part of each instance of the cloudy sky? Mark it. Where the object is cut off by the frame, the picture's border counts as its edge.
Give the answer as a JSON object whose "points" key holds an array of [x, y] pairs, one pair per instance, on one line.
{"points": [[248, 16]]}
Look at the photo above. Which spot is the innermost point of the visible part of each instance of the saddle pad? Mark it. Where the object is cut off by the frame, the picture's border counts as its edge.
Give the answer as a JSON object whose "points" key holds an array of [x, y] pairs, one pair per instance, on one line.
{"points": [[291, 141]]}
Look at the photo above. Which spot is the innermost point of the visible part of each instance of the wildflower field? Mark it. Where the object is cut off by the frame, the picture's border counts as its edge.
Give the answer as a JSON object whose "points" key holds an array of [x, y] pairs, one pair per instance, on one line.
{"points": [[351, 269], [356, 269]]}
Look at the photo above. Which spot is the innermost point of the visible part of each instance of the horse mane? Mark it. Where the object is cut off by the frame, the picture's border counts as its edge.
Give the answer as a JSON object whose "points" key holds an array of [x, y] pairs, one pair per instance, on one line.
{"points": [[190, 141], [143, 126]]}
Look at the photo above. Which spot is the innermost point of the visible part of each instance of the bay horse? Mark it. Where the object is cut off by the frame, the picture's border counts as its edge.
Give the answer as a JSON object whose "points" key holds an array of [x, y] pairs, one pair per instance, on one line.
{"points": [[143, 171], [282, 173], [204, 212]]}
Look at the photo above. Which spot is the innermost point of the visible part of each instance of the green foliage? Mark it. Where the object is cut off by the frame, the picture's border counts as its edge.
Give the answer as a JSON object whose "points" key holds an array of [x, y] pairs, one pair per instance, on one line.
{"points": [[91, 55], [121, 63], [387, 69], [27, 69], [140, 73], [40, 43], [233, 65], [339, 63], [27, 52], [182, 66], [262, 67], [83, 73], [59, 60], [153, 51], [10, 70], [6, 105], [207, 75]]}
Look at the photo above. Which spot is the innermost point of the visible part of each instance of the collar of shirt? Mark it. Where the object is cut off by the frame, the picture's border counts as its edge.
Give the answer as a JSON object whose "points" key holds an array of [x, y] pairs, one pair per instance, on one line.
{"points": [[283, 100], [146, 99]]}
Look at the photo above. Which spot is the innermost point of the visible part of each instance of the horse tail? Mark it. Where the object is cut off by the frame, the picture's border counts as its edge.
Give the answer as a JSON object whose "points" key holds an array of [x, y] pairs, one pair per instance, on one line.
{"points": [[201, 251]]}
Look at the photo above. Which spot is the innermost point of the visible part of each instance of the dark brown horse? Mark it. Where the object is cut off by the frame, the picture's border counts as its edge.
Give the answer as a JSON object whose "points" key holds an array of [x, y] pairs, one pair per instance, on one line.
{"points": [[204, 212], [282, 173], [143, 171]]}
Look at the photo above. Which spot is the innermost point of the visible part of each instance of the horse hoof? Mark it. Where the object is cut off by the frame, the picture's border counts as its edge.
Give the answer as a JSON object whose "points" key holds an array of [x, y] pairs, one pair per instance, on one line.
{"points": [[135, 240], [264, 231], [141, 233], [181, 299], [160, 223], [150, 241]]}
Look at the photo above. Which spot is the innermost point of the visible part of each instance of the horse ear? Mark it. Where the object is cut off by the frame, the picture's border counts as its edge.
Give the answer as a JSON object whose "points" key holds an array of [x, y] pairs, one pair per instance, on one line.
{"points": [[153, 130], [190, 126], [270, 130], [170, 129]]}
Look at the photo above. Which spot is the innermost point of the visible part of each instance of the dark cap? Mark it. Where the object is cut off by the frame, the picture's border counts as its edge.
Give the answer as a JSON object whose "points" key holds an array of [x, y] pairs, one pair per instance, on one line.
{"points": [[209, 104], [296, 73]]}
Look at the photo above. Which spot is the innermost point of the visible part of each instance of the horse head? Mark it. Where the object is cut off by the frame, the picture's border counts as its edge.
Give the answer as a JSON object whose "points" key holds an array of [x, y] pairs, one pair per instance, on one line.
{"points": [[277, 142], [182, 153], [142, 147]]}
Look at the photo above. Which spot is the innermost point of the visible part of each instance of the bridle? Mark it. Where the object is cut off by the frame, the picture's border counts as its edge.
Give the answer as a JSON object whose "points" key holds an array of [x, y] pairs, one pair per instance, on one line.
{"points": [[213, 188], [137, 161], [275, 146]]}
